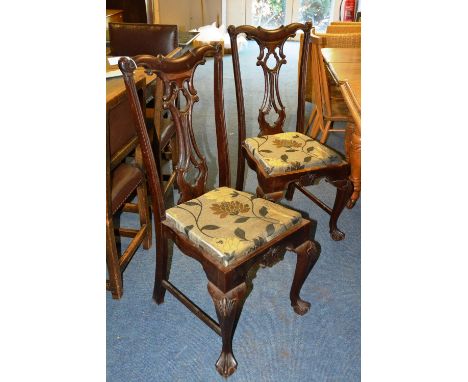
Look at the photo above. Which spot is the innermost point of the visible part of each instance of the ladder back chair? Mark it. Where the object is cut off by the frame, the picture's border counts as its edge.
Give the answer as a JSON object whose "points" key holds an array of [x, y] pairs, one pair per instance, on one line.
{"points": [[229, 232], [312, 86], [329, 108], [282, 160], [122, 180]]}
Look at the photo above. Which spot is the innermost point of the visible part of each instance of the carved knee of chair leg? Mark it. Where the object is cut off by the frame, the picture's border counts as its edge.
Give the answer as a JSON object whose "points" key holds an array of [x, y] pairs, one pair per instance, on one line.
{"points": [[228, 309]]}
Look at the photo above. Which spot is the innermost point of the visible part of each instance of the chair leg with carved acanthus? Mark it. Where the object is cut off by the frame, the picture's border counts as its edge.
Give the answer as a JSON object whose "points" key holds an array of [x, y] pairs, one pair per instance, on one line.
{"points": [[307, 256], [344, 189], [228, 309]]}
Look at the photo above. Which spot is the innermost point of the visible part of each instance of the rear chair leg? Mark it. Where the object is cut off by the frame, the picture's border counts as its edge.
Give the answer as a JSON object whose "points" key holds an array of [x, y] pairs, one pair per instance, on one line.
{"points": [[113, 266], [344, 189], [290, 191], [307, 256], [161, 269], [228, 309]]}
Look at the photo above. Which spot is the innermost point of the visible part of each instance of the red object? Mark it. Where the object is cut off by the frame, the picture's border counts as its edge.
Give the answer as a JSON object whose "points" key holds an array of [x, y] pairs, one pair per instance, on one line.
{"points": [[350, 6]]}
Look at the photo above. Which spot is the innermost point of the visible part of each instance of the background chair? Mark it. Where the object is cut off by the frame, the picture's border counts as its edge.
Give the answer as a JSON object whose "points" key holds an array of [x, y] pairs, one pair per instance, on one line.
{"points": [[345, 23], [229, 232], [122, 180], [340, 40], [329, 108], [131, 39], [285, 160], [344, 28]]}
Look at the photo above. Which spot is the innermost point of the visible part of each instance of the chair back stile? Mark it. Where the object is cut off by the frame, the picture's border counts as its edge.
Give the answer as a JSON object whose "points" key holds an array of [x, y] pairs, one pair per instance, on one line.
{"points": [[177, 77]]}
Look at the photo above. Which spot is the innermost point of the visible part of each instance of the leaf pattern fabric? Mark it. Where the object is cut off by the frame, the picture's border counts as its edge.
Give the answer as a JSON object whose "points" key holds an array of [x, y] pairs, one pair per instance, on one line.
{"points": [[229, 224], [291, 151]]}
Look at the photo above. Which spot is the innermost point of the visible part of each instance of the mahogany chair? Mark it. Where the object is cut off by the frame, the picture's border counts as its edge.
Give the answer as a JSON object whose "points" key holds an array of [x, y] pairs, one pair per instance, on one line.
{"points": [[285, 160], [131, 39], [123, 179], [229, 232]]}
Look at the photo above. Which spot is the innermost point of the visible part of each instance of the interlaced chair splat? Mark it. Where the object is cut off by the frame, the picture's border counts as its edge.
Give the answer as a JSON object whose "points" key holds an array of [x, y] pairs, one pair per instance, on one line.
{"points": [[285, 160], [123, 179], [229, 232]]}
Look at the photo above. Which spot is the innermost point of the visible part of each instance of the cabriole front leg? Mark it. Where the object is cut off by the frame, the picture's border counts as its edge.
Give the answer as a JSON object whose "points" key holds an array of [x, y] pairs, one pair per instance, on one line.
{"points": [[307, 256], [228, 309]]}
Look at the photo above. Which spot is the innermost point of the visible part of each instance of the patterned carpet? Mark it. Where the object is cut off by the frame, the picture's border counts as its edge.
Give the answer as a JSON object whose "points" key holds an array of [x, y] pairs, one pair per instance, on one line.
{"points": [[146, 342]]}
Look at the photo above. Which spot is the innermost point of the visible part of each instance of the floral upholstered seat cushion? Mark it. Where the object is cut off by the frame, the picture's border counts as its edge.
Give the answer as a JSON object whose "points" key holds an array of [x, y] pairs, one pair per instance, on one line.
{"points": [[229, 224], [284, 152]]}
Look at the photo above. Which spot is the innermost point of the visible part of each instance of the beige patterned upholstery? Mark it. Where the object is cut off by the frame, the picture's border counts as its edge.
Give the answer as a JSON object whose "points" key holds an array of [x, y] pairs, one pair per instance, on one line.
{"points": [[291, 151], [229, 224]]}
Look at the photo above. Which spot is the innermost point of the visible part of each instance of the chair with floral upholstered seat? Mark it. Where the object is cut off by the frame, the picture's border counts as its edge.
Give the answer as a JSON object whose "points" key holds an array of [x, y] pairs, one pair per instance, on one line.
{"points": [[282, 160], [229, 232]]}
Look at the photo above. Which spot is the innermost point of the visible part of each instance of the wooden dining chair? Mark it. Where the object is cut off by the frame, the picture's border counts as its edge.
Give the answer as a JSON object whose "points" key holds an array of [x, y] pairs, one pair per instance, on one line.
{"points": [[229, 232], [123, 180], [285, 160], [330, 109], [312, 85], [131, 39], [343, 29]]}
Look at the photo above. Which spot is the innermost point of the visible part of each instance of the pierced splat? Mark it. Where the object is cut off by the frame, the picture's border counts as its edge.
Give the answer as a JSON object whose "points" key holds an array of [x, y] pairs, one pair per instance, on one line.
{"points": [[272, 113], [191, 169], [271, 63], [177, 78]]}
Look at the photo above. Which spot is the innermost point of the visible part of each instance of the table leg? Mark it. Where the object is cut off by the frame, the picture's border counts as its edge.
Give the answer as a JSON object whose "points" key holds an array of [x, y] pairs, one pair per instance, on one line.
{"points": [[355, 161]]}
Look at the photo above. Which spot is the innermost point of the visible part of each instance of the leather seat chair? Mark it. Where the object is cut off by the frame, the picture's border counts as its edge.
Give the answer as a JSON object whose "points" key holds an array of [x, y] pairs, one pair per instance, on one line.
{"points": [[131, 39], [123, 179]]}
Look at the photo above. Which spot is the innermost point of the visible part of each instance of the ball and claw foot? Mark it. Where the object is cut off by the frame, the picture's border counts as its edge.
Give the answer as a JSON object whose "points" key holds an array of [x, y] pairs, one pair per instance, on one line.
{"points": [[337, 235], [350, 204], [226, 364], [301, 307]]}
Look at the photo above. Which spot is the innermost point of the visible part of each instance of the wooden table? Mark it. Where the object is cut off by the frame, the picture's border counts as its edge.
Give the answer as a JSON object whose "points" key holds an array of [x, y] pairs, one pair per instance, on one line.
{"points": [[344, 65], [115, 87]]}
